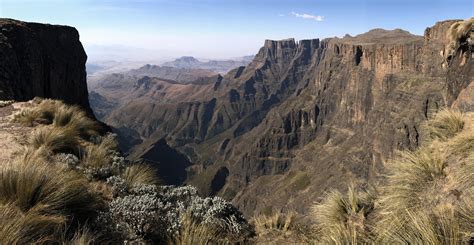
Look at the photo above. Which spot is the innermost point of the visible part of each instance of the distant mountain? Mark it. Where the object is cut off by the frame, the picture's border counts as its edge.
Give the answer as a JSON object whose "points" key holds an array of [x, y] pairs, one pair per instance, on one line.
{"points": [[300, 119], [220, 66]]}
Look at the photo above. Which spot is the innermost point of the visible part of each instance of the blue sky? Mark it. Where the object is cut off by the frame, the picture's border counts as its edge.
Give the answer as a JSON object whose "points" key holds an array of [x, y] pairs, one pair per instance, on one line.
{"points": [[225, 28]]}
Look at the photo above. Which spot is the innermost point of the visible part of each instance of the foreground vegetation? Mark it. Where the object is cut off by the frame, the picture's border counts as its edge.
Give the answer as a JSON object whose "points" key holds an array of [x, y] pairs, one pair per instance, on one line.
{"points": [[426, 196], [71, 185]]}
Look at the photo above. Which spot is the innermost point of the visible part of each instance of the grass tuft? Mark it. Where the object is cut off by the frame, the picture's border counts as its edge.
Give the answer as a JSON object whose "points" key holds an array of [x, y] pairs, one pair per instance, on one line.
{"points": [[55, 140], [445, 124], [17, 227], [342, 219], [140, 174], [193, 232], [46, 190]]}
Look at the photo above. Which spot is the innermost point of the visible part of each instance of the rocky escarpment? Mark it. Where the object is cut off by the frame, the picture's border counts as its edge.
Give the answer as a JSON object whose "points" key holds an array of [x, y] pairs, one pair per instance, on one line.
{"points": [[42, 60], [303, 116], [369, 97]]}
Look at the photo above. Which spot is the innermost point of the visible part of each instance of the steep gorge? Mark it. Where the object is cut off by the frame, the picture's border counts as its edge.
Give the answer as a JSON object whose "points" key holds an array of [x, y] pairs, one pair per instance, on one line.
{"points": [[301, 117]]}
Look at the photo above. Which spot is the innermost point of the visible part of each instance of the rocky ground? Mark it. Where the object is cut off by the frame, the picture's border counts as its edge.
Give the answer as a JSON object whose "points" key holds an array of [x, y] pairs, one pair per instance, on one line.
{"points": [[12, 135]]}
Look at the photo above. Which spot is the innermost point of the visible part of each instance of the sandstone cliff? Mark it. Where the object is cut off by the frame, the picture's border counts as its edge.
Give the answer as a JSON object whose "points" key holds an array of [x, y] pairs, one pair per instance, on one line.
{"points": [[42, 60], [302, 116]]}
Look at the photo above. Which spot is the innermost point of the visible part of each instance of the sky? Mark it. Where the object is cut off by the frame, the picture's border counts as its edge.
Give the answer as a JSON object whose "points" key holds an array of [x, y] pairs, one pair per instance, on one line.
{"points": [[220, 29]]}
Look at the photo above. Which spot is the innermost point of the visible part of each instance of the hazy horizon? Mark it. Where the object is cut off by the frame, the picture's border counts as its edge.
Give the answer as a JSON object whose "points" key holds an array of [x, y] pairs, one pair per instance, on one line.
{"points": [[161, 30]]}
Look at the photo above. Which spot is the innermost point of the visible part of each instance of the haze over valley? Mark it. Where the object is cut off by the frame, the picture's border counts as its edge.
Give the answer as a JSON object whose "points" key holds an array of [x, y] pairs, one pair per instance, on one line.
{"points": [[236, 122]]}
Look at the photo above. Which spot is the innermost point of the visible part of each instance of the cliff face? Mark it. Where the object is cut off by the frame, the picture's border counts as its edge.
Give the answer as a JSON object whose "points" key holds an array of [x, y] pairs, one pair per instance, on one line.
{"points": [[42, 60], [367, 97], [302, 117]]}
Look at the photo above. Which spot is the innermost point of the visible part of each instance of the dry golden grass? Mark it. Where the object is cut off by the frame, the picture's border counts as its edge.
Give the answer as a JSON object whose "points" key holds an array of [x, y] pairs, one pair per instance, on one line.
{"points": [[75, 119], [17, 227], [342, 219], [99, 155], [83, 237], [140, 174], [43, 112], [278, 221], [96, 157], [55, 140], [41, 200], [429, 193], [55, 112], [193, 232], [46, 190], [445, 124]]}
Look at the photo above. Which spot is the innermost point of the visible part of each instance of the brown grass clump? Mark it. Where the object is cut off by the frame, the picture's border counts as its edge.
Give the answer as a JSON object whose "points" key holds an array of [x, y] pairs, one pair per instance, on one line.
{"points": [[46, 190], [55, 140], [193, 232], [48, 111], [83, 237], [140, 174], [41, 113], [17, 227], [343, 219], [445, 124], [277, 221], [96, 157], [428, 196], [75, 119]]}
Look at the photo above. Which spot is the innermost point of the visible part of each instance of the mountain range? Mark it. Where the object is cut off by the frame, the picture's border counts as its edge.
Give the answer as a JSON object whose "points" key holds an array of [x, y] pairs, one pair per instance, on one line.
{"points": [[220, 66], [301, 118], [368, 138]]}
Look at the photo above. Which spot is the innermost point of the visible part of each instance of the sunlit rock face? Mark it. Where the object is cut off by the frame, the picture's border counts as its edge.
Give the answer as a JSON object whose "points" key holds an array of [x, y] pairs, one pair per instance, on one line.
{"points": [[301, 118]]}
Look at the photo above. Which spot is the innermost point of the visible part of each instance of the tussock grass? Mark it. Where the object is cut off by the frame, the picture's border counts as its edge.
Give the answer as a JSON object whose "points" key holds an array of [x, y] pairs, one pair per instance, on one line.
{"points": [[83, 237], [41, 113], [55, 112], [55, 140], [277, 221], [429, 193], [46, 190], [413, 179], [96, 157], [75, 119], [99, 154], [193, 232], [342, 219], [140, 174], [17, 227], [445, 124]]}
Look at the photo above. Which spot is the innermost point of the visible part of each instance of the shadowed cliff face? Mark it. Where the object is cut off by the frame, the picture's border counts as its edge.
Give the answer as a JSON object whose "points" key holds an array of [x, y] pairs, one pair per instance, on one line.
{"points": [[42, 60], [304, 116]]}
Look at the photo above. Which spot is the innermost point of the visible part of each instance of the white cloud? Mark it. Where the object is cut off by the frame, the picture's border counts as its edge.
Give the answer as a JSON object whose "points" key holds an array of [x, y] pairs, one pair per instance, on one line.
{"points": [[281, 15], [308, 16]]}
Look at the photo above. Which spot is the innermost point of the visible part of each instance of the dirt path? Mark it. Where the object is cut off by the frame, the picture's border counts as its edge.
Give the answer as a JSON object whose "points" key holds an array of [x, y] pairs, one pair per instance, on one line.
{"points": [[12, 135]]}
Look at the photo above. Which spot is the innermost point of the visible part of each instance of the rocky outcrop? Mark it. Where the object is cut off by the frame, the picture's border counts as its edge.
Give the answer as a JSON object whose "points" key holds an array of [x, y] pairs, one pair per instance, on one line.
{"points": [[304, 116], [42, 60]]}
